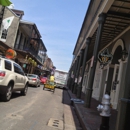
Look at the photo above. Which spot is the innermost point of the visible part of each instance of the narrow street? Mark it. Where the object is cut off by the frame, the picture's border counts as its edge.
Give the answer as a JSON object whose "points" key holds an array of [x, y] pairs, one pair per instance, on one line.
{"points": [[34, 111]]}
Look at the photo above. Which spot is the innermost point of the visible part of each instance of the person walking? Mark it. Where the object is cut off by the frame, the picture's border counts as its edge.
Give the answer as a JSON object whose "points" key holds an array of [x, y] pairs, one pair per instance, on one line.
{"points": [[52, 79]]}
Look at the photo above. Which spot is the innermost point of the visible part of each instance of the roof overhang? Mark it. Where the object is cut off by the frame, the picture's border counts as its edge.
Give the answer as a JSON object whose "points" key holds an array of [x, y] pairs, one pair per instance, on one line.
{"points": [[117, 22], [28, 27]]}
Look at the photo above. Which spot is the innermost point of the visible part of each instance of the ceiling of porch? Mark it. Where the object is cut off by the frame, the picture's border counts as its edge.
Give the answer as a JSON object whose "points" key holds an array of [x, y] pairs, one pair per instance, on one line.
{"points": [[117, 20]]}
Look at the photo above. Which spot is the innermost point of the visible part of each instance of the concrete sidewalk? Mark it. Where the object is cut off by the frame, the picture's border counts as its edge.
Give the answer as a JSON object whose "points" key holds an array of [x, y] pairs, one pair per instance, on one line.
{"points": [[90, 118], [71, 121]]}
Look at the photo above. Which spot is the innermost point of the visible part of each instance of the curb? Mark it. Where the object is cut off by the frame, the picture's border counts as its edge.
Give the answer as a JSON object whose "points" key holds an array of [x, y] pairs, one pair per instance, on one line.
{"points": [[80, 116]]}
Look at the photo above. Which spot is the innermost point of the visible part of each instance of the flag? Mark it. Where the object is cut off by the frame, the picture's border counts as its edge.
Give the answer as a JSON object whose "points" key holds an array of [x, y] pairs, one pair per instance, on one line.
{"points": [[4, 28], [5, 2]]}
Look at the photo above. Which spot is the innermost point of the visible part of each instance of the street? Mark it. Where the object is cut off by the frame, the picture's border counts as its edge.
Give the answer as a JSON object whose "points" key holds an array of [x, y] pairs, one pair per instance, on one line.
{"points": [[38, 110], [31, 112]]}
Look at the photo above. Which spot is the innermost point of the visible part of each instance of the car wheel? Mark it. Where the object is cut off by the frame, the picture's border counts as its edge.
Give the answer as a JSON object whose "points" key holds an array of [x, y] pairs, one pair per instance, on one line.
{"points": [[24, 92], [8, 94], [36, 85]]}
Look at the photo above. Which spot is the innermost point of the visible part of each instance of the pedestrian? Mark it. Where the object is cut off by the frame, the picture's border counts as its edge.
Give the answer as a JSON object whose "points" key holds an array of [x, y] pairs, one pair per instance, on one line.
{"points": [[52, 79]]}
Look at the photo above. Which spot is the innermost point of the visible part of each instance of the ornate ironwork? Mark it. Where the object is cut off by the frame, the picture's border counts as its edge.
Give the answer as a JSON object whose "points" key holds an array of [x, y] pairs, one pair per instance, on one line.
{"points": [[104, 57]]}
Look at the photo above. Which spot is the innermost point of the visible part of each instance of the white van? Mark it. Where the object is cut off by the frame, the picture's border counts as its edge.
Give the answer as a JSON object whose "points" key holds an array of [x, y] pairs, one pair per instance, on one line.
{"points": [[60, 78]]}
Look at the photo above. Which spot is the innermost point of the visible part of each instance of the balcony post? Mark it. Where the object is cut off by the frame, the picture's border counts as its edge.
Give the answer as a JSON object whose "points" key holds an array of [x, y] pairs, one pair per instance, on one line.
{"points": [[89, 90], [79, 88], [77, 74]]}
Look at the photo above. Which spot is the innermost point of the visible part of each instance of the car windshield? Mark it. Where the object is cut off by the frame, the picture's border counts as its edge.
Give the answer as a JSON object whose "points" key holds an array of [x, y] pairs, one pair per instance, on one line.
{"points": [[44, 77], [31, 75]]}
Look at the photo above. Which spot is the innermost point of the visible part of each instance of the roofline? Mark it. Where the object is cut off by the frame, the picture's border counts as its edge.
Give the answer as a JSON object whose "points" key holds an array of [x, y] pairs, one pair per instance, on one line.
{"points": [[82, 27], [43, 45], [33, 24], [61, 71], [18, 11], [12, 12]]}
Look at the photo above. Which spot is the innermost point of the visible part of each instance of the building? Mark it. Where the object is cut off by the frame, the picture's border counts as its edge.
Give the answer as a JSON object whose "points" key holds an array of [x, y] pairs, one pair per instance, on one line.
{"points": [[101, 57], [23, 37]]}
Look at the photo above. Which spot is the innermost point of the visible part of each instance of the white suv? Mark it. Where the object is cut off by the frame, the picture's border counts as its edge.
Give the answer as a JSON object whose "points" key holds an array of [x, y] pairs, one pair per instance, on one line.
{"points": [[12, 78]]}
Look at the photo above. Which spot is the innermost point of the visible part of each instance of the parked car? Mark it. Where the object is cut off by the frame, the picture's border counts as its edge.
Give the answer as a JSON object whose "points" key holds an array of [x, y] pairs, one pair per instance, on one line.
{"points": [[12, 78], [43, 80], [34, 80]]}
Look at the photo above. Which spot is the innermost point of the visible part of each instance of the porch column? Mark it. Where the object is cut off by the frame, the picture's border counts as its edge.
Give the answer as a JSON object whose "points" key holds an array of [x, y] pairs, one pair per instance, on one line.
{"points": [[75, 68], [89, 90], [75, 78], [70, 81], [123, 116], [77, 74], [79, 88]]}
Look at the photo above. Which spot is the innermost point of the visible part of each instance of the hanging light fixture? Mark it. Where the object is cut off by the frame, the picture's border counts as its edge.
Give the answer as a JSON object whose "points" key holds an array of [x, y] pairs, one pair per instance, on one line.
{"points": [[124, 54]]}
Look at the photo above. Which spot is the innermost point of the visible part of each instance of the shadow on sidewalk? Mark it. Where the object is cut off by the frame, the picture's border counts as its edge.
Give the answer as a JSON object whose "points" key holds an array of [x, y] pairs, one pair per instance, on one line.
{"points": [[89, 117], [72, 113]]}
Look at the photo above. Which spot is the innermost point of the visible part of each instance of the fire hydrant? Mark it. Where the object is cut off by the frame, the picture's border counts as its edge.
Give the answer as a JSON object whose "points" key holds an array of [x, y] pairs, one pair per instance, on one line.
{"points": [[105, 112]]}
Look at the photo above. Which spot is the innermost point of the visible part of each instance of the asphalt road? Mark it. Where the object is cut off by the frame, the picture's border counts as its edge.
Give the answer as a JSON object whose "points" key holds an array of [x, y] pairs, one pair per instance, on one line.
{"points": [[33, 111]]}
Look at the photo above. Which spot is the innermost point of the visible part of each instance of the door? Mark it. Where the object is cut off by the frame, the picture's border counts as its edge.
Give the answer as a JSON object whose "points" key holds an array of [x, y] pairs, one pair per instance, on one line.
{"points": [[20, 79], [114, 84], [106, 80], [84, 84]]}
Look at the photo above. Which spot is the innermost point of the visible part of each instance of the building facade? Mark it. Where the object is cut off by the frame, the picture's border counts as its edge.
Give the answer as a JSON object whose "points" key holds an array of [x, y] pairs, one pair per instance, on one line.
{"points": [[101, 63], [23, 37]]}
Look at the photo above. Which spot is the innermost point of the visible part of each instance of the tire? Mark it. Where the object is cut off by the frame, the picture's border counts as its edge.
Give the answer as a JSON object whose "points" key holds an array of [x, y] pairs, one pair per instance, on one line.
{"points": [[8, 94], [43, 87], [53, 90], [24, 92], [36, 85]]}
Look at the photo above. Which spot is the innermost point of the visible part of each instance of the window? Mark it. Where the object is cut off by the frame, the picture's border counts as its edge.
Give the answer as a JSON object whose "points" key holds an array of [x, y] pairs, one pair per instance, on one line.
{"points": [[8, 65], [18, 69]]}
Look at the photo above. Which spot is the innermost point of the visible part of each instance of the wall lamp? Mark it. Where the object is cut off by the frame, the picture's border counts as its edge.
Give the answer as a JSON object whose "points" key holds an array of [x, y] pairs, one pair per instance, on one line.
{"points": [[124, 54]]}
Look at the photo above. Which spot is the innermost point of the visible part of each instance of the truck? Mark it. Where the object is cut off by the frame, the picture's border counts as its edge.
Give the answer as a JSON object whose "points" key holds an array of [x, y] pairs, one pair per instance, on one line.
{"points": [[60, 78]]}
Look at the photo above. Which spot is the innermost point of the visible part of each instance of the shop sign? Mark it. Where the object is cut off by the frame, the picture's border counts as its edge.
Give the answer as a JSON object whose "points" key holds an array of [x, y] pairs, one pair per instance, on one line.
{"points": [[24, 65], [10, 53], [105, 57]]}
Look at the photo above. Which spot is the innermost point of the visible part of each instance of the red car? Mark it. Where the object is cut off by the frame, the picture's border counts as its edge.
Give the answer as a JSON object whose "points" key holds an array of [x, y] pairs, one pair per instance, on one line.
{"points": [[43, 80]]}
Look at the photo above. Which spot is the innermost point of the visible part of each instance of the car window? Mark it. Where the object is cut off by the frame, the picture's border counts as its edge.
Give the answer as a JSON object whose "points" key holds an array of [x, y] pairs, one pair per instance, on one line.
{"points": [[31, 75], [8, 65], [18, 69]]}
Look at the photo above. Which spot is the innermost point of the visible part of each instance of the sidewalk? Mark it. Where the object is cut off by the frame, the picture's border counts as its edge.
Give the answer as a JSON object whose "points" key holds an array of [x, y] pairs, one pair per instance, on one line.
{"points": [[71, 121], [90, 118]]}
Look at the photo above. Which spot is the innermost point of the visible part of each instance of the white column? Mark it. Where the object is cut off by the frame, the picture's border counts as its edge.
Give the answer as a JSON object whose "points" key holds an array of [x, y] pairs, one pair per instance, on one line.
{"points": [[118, 86]]}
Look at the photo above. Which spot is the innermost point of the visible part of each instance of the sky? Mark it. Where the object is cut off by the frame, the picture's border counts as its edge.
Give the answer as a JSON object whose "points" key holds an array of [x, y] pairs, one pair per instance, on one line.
{"points": [[59, 23]]}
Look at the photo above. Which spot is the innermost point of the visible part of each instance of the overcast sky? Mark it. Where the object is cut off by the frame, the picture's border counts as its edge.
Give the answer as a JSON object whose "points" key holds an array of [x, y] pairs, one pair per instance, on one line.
{"points": [[59, 23]]}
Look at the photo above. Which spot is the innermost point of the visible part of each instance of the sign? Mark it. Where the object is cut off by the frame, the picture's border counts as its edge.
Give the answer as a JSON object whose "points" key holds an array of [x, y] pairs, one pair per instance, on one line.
{"points": [[105, 57], [10, 53]]}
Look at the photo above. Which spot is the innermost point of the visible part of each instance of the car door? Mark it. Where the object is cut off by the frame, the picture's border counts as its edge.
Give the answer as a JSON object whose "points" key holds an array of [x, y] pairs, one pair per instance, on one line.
{"points": [[20, 80], [39, 81]]}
